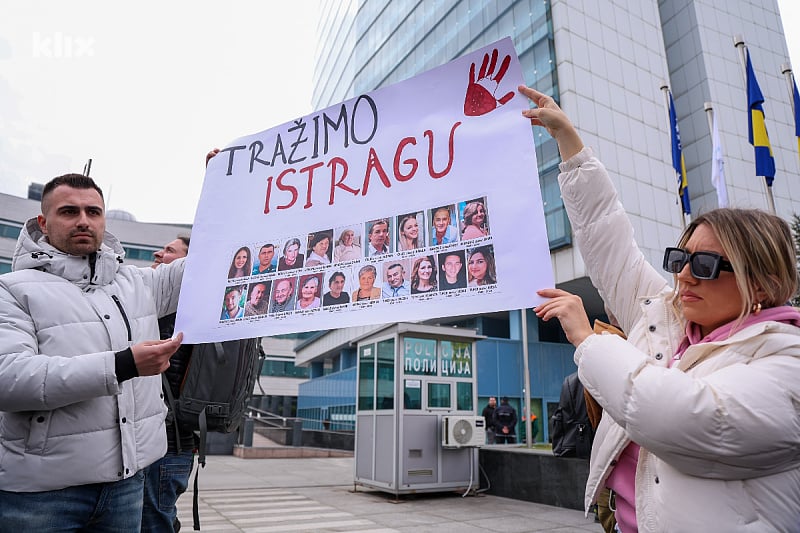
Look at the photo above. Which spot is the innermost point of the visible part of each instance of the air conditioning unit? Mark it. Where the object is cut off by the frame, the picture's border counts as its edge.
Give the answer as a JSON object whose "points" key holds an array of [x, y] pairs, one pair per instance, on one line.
{"points": [[462, 431]]}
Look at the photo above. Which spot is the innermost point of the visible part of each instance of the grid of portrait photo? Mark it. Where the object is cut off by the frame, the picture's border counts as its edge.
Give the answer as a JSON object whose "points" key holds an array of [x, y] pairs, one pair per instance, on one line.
{"points": [[437, 251]]}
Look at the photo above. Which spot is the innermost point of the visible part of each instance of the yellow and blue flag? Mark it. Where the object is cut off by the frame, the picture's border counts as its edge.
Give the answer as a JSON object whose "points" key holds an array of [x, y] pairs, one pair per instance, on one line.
{"points": [[757, 128], [796, 97], [677, 158]]}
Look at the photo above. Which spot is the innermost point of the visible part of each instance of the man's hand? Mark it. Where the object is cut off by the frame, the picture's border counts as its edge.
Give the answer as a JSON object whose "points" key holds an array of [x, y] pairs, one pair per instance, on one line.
{"points": [[152, 357], [211, 154]]}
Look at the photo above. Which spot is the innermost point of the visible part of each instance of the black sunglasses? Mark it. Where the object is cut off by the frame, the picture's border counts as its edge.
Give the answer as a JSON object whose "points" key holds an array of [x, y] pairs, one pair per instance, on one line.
{"points": [[703, 265]]}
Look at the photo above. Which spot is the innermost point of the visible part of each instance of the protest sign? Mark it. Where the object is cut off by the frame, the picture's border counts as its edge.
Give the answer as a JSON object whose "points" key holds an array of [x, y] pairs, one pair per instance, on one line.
{"points": [[414, 201]]}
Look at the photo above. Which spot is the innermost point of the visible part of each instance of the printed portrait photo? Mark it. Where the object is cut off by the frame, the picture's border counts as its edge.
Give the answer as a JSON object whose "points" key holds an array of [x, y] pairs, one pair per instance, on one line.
{"points": [[348, 243], [266, 259], [367, 283], [396, 273], [291, 255], [443, 225], [452, 270], [233, 302], [378, 237], [309, 292], [424, 274], [257, 298], [338, 285], [241, 263], [473, 219], [481, 268], [410, 231], [320, 248], [282, 298]]}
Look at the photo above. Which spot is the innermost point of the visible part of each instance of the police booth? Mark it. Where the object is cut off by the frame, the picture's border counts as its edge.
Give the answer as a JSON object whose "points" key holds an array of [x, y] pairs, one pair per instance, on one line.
{"points": [[416, 423]]}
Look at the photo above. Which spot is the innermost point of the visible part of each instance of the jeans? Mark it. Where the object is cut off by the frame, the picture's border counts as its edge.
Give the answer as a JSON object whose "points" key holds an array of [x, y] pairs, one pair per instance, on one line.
{"points": [[164, 481], [114, 507]]}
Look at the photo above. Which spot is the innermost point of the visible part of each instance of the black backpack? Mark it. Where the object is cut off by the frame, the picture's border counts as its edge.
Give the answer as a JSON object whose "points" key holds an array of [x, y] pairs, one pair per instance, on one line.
{"points": [[214, 394], [572, 432]]}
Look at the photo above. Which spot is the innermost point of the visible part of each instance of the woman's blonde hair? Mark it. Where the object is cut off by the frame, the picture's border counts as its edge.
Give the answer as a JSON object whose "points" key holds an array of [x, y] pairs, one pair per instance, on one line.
{"points": [[761, 249]]}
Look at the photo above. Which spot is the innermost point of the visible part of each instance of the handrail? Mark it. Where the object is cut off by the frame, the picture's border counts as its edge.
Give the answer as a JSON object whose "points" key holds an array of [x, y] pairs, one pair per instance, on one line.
{"points": [[274, 420]]}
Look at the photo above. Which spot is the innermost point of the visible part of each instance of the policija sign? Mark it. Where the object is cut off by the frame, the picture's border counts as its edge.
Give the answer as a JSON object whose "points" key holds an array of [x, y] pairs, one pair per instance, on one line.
{"points": [[413, 201]]}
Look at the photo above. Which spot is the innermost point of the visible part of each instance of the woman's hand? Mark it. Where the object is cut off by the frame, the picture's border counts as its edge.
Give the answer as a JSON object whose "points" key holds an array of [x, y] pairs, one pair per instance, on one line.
{"points": [[568, 309], [548, 115]]}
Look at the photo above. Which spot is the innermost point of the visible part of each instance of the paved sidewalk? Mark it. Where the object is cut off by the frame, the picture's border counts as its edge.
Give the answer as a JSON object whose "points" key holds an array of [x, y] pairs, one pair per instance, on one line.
{"points": [[317, 495]]}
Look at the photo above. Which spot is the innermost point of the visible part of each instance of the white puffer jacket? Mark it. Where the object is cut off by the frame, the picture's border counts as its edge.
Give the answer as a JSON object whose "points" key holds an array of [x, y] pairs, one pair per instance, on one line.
{"points": [[720, 431], [64, 419]]}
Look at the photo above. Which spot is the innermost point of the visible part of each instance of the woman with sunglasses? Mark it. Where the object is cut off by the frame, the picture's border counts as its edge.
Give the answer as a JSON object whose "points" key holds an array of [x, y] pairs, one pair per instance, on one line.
{"points": [[700, 429]]}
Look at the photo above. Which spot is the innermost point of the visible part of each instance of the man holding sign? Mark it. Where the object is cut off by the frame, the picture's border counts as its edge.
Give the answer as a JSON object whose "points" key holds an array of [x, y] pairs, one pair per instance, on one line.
{"points": [[80, 406]]}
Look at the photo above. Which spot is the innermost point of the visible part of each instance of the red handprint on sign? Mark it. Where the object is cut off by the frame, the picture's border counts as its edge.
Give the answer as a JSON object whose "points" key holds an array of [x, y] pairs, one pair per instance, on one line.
{"points": [[480, 98]]}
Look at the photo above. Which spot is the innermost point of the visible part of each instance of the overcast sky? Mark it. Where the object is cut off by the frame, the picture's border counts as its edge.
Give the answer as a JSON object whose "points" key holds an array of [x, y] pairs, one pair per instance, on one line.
{"points": [[146, 88]]}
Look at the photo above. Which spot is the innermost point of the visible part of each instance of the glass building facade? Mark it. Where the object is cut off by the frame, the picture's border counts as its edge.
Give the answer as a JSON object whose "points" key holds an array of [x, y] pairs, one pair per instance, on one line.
{"points": [[366, 45], [590, 56]]}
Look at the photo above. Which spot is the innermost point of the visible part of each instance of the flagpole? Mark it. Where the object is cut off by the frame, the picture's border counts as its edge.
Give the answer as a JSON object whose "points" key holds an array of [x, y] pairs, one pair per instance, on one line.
{"points": [[786, 70], [738, 42], [526, 394], [665, 90], [709, 109], [709, 116]]}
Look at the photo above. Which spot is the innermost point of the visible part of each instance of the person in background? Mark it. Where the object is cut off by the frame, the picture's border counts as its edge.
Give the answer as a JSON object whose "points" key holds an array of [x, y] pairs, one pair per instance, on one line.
{"points": [[80, 410], [166, 479], [505, 423], [488, 419], [572, 431], [701, 419], [242, 263]]}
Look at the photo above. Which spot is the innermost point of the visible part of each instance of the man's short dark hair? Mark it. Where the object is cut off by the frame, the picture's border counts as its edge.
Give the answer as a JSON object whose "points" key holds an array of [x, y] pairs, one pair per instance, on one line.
{"points": [[268, 245], [379, 222], [237, 288], [76, 181], [184, 239]]}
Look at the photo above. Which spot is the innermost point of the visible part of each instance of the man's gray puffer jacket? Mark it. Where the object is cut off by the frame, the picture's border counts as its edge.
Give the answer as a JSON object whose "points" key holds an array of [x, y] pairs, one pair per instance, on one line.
{"points": [[64, 418]]}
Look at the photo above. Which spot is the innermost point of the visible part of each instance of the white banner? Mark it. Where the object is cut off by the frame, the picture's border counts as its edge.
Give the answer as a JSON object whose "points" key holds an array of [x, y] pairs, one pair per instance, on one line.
{"points": [[411, 202]]}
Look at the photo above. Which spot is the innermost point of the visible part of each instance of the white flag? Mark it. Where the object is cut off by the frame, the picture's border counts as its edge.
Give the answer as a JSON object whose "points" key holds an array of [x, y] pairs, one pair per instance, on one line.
{"points": [[718, 167]]}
